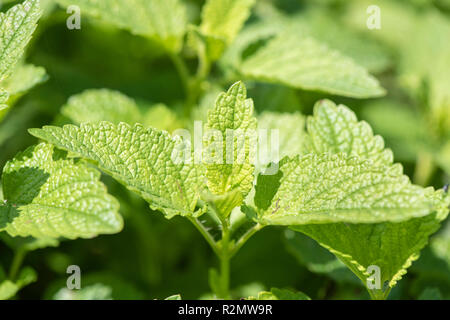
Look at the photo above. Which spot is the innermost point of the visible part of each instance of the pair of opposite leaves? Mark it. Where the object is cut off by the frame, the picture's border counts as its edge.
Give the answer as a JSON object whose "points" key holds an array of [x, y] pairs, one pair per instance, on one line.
{"points": [[343, 190]]}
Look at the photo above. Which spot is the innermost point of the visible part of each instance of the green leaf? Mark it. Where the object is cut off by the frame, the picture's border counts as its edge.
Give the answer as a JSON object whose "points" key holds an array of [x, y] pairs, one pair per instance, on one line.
{"points": [[325, 188], [351, 177], [28, 243], [208, 47], [430, 294], [160, 116], [228, 159], [224, 18], [317, 259], [9, 289], [48, 196], [327, 28], [336, 129], [174, 297], [356, 183], [302, 62], [161, 20], [97, 105], [281, 294], [224, 204], [290, 129], [23, 79], [16, 27], [139, 158], [4, 96], [362, 48], [93, 292], [250, 36], [390, 246]]}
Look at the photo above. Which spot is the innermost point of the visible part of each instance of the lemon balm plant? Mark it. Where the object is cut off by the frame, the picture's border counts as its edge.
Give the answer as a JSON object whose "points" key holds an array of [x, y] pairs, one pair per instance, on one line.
{"points": [[331, 178], [343, 189]]}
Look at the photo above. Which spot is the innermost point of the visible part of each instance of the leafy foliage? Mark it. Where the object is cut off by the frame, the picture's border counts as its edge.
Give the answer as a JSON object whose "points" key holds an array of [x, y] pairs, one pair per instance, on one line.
{"points": [[232, 112], [50, 197], [8, 288], [264, 145], [224, 18], [128, 154], [93, 292], [142, 17], [16, 28], [356, 184], [304, 63]]}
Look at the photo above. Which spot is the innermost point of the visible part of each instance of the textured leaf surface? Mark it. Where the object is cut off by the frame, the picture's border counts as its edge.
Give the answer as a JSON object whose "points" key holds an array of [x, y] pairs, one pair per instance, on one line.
{"points": [[101, 105], [402, 215], [3, 99], [335, 129], [318, 259], [24, 78], [49, 197], [390, 246], [224, 18], [328, 188], [229, 165], [139, 158], [161, 20], [304, 63], [16, 27], [96, 105]]}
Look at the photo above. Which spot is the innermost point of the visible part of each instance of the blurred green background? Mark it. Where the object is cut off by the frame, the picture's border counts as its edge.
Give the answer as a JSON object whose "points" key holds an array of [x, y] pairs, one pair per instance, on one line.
{"points": [[153, 258]]}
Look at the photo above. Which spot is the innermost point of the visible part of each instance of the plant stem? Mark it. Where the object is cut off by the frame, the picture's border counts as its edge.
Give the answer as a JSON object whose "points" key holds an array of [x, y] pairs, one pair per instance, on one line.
{"points": [[225, 249], [242, 240], [225, 275], [182, 70], [424, 169], [378, 294], [201, 228], [19, 255], [225, 257], [204, 65]]}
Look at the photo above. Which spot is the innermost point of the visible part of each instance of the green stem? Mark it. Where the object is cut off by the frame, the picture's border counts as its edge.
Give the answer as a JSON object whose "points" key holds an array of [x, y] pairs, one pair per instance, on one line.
{"points": [[204, 65], [424, 169], [225, 257], [242, 240], [225, 275], [182, 70], [225, 249], [378, 294], [19, 256], [201, 228]]}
